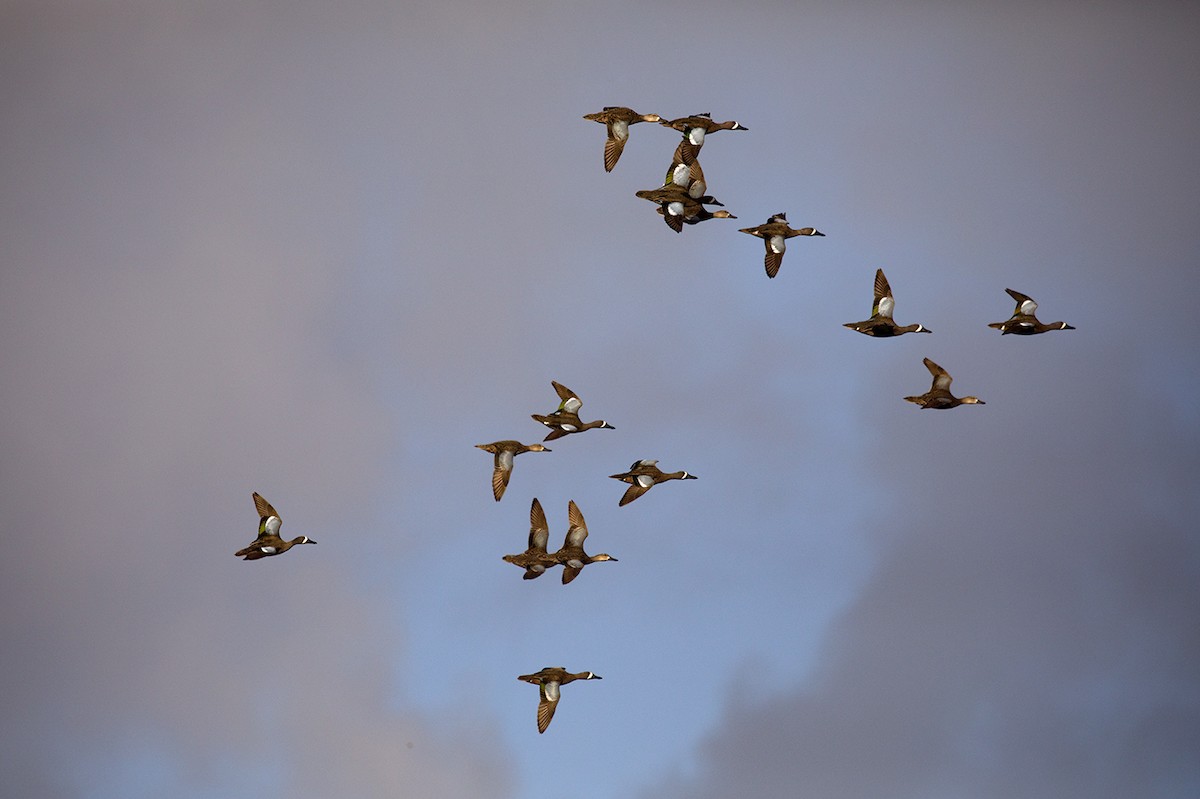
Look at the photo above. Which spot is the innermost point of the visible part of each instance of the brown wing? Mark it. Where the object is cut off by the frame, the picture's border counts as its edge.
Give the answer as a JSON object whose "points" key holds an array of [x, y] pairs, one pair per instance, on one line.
{"points": [[570, 401], [673, 222], [633, 492], [773, 260], [1025, 303], [613, 147], [501, 473], [577, 533], [263, 507], [539, 531], [941, 378], [547, 704], [688, 152], [265, 514], [882, 290], [569, 574]]}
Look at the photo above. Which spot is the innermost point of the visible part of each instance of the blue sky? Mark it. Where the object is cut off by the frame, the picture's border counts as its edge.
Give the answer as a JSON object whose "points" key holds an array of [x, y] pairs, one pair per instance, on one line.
{"points": [[320, 253]]}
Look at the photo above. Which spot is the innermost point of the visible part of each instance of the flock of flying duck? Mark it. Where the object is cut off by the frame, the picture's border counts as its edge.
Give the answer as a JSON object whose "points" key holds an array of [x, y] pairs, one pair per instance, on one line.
{"points": [[683, 195], [680, 200]]}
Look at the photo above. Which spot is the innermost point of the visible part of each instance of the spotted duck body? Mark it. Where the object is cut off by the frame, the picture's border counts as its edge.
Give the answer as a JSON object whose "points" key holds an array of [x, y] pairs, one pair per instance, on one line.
{"points": [[881, 324], [505, 452], [774, 233], [549, 680], [939, 396], [617, 119], [268, 542], [565, 420], [1024, 321], [571, 555], [535, 559]]}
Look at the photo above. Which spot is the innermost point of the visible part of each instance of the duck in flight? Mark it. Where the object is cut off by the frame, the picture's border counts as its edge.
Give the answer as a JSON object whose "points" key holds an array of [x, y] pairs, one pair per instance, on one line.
{"points": [[565, 419], [268, 542], [1024, 321], [549, 680], [939, 396]]}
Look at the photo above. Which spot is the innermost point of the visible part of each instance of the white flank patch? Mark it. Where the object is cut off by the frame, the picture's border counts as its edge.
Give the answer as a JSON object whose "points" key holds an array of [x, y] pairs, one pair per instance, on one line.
{"points": [[268, 550]]}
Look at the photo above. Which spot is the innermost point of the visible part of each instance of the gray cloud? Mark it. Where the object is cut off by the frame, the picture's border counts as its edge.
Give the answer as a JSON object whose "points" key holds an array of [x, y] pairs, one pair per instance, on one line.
{"points": [[292, 252]]}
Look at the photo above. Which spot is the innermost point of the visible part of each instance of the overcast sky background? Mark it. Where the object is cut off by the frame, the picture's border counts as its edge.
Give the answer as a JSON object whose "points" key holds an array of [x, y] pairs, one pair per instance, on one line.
{"points": [[319, 251]]}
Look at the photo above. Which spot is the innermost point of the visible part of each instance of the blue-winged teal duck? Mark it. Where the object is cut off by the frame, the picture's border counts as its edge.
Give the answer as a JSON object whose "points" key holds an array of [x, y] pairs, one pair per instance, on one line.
{"points": [[505, 452], [774, 233], [939, 396], [1023, 322], [644, 475], [618, 119], [698, 214], [880, 324], [694, 129], [676, 204], [268, 542], [549, 680], [535, 559], [571, 556], [565, 419]]}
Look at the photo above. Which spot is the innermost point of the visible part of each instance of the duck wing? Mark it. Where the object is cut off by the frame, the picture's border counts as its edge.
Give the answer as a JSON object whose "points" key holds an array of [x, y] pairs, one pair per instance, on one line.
{"points": [[577, 533], [1025, 303], [774, 256], [635, 490], [268, 521], [941, 378], [570, 401], [502, 472], [614, 145], [883, 296], [547, 704], [539, 532]]}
